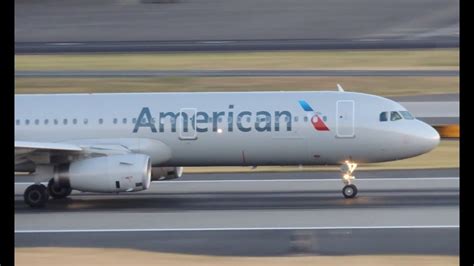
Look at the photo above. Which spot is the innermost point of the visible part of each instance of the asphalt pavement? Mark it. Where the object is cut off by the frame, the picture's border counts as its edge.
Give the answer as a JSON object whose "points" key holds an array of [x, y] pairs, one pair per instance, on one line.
{"points": [[399, 212], [53, 26]]}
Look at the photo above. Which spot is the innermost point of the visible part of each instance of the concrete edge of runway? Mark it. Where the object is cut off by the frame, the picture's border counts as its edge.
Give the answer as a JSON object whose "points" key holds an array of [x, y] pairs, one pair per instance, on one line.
{"points": [[231, 45], [232, 73]]}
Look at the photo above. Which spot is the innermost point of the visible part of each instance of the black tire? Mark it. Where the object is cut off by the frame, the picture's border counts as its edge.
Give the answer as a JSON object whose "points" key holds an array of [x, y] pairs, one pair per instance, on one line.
{"points": [[349, 191], [57, 192], [36, 196]]}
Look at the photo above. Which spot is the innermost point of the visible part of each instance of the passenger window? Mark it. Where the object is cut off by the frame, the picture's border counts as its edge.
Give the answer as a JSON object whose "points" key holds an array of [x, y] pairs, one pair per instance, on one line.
{"points": [[383, 116], [407, 115], [65, 121], [37, 121], [27, 122], [18, 122], [296, 119], [101, 121], [395, 116], [115, 120], [305, 119], [55, 121], [124, 120], [85, 121], [74, 121], [134, 120], [46, 121]]}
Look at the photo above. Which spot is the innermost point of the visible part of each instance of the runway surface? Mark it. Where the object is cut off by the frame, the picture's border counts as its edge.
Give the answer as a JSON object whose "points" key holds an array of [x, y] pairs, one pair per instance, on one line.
{"points": [[407, 212], [440, 120], [222, 25], [432, 109], [239, 73], [445, 97]]}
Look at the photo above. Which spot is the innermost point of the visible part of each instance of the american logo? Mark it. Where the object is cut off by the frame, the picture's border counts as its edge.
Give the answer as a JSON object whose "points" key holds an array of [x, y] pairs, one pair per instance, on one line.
{"points": [[316, 120]]}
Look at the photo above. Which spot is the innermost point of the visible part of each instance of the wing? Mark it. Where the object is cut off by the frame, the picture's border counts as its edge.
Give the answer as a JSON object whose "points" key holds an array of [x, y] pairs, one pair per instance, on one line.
{"points": [[28, 154], [22, 147]]}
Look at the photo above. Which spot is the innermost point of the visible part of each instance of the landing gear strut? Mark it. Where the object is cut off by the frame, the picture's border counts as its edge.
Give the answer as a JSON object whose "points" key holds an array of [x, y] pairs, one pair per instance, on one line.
{"points": [[36, 196], [349, 190], [58, 192]]}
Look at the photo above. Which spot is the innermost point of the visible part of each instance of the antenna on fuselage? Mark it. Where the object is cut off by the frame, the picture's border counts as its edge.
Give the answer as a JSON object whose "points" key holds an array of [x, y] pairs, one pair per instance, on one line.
{"points": [[339, 87]]}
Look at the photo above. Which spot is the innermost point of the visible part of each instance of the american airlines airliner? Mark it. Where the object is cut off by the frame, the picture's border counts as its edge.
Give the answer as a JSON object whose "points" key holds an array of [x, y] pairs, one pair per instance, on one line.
{"points": [[120, 142]]}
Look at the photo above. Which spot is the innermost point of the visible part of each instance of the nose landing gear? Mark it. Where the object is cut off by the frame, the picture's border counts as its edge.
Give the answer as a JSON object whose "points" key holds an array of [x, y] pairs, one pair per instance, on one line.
{"points": [[349, 190]]}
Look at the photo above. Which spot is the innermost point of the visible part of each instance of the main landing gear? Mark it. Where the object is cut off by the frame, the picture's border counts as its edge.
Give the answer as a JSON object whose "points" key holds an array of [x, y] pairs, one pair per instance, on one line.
{"points": [[58, 192], [349, 190], [37, 195]]}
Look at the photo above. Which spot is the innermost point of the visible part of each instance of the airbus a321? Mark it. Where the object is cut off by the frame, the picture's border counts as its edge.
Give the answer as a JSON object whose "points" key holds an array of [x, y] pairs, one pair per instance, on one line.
{"points": [[120, 142]]}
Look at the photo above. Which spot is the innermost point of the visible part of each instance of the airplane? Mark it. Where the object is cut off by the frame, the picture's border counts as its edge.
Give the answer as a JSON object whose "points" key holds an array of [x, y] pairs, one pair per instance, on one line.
{"points": [[120, 142]]}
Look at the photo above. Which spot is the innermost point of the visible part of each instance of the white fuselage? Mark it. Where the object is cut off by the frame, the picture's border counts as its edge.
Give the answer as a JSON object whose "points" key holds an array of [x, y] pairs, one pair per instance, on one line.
{"points": [[236, 128]]}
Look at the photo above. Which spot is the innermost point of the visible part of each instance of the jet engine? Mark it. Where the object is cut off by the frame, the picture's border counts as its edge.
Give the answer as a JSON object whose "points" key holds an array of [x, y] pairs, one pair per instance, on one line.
{"points": [[166, 173], [115, 173]]}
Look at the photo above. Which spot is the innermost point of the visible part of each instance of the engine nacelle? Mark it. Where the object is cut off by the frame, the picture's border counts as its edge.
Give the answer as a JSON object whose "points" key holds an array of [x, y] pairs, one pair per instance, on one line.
{"points": [[115, 173], [166, 173]]}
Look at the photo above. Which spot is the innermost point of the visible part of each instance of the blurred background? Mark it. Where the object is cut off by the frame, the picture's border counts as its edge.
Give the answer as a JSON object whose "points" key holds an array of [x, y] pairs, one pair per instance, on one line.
{"points": [[404, 50]]}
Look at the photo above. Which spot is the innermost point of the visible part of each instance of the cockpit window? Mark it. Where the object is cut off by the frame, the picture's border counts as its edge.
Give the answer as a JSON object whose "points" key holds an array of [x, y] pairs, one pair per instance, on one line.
{"points": [[395, 116], [383, 116], [407, 115]]}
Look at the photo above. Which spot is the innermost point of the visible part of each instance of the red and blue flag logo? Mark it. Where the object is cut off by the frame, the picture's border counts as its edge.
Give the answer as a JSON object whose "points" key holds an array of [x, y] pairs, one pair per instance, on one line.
{"points": [[316, 120]]}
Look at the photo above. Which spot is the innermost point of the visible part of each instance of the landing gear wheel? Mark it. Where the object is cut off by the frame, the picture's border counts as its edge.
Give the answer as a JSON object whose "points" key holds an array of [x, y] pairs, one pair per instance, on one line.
{"points": [[36, 196], [58, 192], [349, 191]]}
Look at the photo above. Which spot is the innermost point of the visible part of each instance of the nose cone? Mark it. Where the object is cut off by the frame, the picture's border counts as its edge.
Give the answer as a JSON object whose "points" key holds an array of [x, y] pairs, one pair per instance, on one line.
{"points": [[427, 138]]}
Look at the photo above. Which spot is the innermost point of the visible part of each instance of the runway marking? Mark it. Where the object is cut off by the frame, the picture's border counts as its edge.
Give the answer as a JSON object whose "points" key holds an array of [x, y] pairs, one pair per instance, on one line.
{"points": [[293, 180], [215, 42], [312, 180], [237, 229], [65, 43]]}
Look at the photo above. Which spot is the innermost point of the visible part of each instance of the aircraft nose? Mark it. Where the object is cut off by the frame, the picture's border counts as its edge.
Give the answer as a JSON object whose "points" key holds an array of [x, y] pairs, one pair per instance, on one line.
{"points": [[427, 137]]}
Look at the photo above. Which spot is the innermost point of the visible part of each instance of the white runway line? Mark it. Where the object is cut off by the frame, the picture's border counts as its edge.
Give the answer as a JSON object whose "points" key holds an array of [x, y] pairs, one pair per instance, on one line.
{"points": [[311, 180], [239, 229], [294, 185]]}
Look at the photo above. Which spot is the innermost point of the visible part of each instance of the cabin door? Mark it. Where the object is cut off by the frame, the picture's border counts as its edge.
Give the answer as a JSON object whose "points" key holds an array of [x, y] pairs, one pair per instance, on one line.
{"points": [[345, 119]]}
